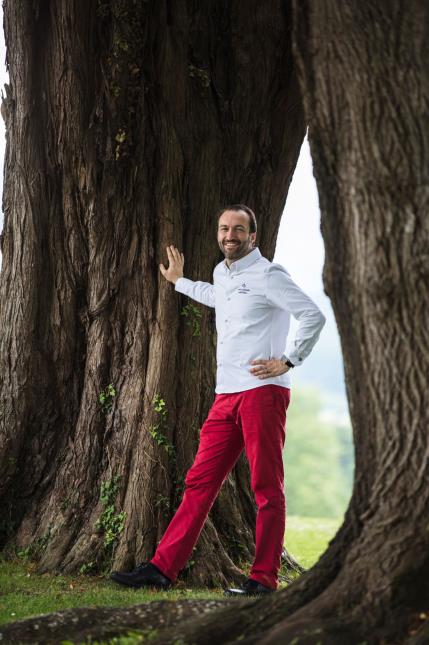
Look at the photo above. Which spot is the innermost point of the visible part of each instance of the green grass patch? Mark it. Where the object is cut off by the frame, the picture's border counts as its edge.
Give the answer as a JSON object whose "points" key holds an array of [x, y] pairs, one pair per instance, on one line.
{"points": [[308, 537], [26, 593]]}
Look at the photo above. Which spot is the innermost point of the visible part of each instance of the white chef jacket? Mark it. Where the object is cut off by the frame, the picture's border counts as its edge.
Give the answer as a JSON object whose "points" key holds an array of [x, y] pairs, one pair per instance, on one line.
{"points": [[254, 299]]}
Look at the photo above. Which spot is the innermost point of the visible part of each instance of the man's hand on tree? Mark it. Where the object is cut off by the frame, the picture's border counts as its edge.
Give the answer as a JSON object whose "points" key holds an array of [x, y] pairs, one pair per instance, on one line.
{"points": [[176, 260], [268, 368]]}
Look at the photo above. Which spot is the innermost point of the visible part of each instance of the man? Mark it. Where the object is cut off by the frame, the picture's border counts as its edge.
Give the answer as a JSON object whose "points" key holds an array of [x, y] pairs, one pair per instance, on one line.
{"points": [[253, 299]]}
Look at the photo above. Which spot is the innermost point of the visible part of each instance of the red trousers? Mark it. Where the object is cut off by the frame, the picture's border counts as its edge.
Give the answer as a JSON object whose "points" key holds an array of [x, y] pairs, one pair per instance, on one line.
{"points": [[254, 420]]}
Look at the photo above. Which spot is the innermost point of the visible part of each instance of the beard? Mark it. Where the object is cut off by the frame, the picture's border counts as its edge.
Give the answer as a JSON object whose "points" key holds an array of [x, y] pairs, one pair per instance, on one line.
{"points": [[239, 250]]}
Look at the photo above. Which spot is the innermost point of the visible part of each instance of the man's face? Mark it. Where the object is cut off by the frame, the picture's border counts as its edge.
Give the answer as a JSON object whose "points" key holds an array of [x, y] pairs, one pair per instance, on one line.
{"points": [[233, 236]]}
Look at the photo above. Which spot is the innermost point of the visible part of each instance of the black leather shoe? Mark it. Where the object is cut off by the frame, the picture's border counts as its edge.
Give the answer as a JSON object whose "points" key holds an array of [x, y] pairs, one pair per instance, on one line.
{"points": [[144, 575], [249, 588]]}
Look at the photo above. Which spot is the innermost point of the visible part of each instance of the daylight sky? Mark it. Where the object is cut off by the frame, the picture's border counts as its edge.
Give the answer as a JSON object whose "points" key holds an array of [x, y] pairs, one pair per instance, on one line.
{"points": [[300, 250]]}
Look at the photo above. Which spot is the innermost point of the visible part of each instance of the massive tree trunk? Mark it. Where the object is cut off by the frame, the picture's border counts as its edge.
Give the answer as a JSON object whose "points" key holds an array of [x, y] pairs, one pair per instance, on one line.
{"points": [[367, 99], [129, 123]]}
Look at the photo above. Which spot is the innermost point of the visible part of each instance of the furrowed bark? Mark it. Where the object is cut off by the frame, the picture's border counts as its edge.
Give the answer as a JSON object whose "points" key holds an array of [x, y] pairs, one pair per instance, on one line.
{"points": [[129, 124]]}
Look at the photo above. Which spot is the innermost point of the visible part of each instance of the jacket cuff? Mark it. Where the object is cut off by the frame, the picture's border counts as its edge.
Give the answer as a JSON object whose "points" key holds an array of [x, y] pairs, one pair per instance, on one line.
{"points": [[294, 358]]}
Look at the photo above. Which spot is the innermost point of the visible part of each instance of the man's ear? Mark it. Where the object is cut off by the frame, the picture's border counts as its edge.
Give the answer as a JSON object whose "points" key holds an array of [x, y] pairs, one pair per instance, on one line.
{"points": [[253, 238]]}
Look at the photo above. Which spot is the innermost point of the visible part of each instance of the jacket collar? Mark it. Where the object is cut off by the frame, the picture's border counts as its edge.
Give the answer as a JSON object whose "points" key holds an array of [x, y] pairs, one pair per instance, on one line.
{"points": [[244, 263]]}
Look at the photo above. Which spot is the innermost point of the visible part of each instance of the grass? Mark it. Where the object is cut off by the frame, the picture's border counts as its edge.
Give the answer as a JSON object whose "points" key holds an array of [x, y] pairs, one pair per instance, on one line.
{"points": [[25, 593], [308, 537]]}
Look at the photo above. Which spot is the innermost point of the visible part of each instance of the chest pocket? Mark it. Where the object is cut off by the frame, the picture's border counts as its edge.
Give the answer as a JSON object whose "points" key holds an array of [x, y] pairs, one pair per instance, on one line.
{"points": [[249, 301]]}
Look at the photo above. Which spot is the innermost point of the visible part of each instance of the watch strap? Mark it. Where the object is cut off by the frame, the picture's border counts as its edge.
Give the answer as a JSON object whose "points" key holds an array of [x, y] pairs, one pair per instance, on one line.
{"points": [[286, 361]]}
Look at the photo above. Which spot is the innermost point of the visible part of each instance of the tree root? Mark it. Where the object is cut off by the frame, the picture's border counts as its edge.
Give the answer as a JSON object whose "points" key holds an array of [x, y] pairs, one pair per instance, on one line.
{"points": [[105, 622], [304, 630], [290, 567], [209, 622]]}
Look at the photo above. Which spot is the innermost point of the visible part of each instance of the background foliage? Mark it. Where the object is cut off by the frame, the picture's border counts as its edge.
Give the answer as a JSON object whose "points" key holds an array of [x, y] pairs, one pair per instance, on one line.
{"points": [[318, 458]]}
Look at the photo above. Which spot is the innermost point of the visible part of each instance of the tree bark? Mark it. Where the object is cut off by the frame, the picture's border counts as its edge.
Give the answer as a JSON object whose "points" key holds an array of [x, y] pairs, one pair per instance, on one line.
{"points": [[128, 125], [366, 94]]}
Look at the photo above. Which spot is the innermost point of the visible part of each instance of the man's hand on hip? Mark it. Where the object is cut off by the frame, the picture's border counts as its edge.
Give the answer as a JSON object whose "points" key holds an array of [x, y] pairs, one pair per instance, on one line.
{"points": [[176, 260], [268, 368]]}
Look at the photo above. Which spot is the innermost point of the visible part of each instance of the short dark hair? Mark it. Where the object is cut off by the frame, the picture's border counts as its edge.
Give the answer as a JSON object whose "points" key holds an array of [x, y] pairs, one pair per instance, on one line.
{"points": [[241, 207]]}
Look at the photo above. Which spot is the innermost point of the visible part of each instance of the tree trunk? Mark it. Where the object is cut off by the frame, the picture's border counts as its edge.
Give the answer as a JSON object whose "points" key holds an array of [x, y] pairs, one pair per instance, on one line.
{"points": [[366, 94], [129, 124]]}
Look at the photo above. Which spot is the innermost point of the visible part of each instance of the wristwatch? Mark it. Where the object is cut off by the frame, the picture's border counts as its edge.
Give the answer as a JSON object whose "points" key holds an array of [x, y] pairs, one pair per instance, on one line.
{"points": [[286, 361]]}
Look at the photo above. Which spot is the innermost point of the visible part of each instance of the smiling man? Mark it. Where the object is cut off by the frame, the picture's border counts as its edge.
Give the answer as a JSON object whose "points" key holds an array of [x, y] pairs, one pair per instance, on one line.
{"points": [[254, 299]]}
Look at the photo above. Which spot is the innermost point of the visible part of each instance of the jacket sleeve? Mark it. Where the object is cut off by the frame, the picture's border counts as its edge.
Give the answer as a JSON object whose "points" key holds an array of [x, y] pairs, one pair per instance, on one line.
{"points": [[282, 292], [203, 292]]}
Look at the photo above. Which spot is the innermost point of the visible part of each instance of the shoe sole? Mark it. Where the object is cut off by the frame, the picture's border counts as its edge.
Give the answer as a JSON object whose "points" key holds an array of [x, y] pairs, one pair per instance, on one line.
{"points": [[237, 593]]}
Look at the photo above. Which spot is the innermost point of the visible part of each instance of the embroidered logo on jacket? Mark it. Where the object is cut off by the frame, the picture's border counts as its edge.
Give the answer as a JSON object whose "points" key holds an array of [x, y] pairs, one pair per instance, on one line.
{"points": [[243, 288]]}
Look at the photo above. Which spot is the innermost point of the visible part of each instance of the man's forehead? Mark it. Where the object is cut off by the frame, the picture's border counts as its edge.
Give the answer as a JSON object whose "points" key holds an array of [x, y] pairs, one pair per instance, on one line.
{"points": [[234, 217]]}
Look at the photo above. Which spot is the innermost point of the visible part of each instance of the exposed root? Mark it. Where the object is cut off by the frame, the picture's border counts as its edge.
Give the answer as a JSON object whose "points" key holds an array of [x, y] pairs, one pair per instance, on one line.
{"points": [[80, 624]]}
